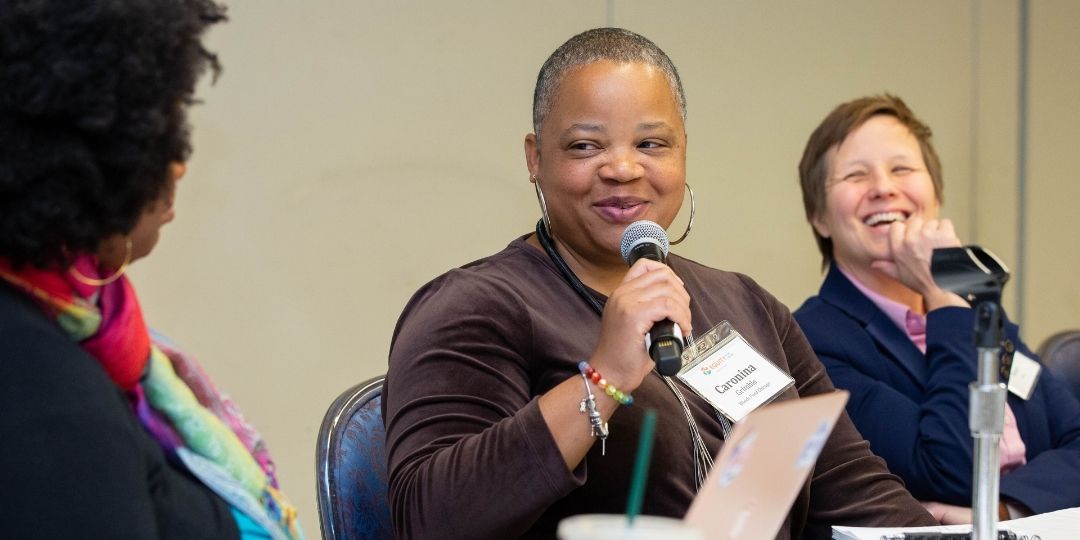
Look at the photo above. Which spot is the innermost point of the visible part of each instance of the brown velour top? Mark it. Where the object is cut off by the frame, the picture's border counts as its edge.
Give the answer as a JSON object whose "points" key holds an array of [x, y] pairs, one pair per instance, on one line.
{"points": [[471, 457]]}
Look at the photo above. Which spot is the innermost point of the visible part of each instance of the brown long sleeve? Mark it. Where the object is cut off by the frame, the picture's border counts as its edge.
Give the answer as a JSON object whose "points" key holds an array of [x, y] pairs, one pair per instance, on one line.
{"points": [[470, 456]]}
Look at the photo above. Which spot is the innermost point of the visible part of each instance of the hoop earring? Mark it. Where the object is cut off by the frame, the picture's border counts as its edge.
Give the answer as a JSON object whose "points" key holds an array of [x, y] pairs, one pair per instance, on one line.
{"points": [[689, 224], [95, 282], [543, 204]]}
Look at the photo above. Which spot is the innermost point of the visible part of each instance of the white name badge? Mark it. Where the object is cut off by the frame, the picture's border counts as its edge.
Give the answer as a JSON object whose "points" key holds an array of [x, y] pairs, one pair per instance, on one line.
{"points": [[1023, 375], [732, 376]]}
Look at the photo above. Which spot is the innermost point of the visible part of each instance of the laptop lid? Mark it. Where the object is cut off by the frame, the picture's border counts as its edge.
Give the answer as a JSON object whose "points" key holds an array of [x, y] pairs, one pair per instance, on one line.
{"points": [[762, 465]]}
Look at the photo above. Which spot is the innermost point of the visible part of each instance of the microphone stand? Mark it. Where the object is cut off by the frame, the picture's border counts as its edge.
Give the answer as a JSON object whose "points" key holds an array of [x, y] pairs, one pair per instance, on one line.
{"points": [[986, 416], [979, 276]]}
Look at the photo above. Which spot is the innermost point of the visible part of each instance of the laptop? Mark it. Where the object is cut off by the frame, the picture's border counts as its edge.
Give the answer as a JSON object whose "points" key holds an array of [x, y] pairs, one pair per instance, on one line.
{"points": [[761, 467]]}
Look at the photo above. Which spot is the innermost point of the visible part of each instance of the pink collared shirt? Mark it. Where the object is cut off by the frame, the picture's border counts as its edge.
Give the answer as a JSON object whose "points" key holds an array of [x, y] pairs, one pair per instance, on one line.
{"points": [[914, 325]]}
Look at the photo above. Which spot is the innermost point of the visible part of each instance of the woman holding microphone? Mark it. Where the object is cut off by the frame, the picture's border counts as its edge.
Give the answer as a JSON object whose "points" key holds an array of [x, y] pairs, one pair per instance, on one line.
{"points": [[489, 430]]}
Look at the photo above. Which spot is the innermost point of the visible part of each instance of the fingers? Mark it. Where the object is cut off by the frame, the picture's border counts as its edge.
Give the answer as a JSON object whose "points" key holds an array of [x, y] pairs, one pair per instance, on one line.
{"points": [[912, 245], [917, 236], [644, 266], [653, 289], [649, 293], [912, 242], [947, 234], [897, 235], [940, 233]]}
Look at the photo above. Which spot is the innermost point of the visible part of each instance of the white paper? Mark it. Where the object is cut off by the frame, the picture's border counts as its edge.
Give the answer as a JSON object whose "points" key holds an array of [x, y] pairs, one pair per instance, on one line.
{"points": [[1060, 525]]}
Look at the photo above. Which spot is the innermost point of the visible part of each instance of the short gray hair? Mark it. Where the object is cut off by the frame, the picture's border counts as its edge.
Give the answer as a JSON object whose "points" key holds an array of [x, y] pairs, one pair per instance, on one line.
{"points": [[598, 44]]}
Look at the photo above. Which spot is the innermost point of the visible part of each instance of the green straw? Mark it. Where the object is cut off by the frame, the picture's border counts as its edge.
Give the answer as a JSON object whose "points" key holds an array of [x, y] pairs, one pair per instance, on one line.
{"points": [[641, 466]]}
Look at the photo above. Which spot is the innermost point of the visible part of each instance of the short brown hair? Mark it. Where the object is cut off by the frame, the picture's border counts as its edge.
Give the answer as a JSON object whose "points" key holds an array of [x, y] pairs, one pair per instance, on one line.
{"points": [[845, 118]]}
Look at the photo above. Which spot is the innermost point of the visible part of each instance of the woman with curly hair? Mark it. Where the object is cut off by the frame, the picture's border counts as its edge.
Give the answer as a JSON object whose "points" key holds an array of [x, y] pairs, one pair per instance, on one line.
{"points": [[109, 432]]}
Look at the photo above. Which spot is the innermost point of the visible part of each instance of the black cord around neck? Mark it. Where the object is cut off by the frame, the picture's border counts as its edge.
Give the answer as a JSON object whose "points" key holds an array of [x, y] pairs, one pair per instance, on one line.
{"points": [[549, 246]]}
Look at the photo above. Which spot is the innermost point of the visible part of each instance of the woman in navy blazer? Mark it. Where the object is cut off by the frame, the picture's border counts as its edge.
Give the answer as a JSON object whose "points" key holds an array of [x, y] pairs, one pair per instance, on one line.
{"points": [[871, 185]]}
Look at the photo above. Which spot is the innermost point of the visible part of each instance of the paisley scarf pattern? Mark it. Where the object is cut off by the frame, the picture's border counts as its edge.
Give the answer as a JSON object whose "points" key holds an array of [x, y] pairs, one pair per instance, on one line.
{"points": [[170, 393]]}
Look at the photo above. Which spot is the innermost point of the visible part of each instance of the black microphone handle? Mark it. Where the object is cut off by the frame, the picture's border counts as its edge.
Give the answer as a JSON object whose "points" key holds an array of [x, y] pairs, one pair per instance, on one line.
{"points": [[666, 347], [665, 344]]}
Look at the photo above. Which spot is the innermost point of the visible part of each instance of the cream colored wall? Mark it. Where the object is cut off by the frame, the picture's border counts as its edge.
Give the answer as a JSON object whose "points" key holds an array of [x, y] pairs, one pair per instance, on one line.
{"points": [[352, 151], [1052, 299]]}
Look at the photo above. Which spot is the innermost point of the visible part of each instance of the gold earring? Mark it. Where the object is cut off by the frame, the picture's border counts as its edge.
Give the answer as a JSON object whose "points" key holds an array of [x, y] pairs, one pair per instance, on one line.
{"points": [[95, 282]]}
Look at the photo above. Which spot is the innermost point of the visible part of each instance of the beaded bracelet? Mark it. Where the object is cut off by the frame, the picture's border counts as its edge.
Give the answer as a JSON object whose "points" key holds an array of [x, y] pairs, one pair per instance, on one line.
{"points": [[589, 373]]}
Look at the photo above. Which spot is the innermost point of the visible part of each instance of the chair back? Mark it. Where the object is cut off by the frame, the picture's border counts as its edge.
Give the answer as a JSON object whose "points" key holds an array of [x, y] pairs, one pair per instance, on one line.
{"points": [[1060, 353], [351, 466]]}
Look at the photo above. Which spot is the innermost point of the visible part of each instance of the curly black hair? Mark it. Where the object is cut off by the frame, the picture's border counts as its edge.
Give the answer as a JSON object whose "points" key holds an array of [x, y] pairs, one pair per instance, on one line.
{"points": [[93, 99]]}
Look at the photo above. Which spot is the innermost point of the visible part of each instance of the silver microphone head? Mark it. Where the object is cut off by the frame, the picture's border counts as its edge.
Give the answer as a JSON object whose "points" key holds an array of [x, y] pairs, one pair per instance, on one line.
{"points": [[640, 232]]}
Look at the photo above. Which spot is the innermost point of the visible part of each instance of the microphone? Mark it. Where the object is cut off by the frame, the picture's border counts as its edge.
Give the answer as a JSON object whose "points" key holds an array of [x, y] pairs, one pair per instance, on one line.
{"points": [[645, 239]]}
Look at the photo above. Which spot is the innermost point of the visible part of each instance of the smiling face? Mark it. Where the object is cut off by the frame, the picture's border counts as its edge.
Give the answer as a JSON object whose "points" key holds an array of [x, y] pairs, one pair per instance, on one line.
{"points": [[612, 150], [876, 176]]}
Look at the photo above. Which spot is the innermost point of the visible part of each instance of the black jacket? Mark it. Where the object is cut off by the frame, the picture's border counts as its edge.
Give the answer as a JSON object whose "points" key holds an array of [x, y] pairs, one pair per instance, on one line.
{"points": [[74, 460]]}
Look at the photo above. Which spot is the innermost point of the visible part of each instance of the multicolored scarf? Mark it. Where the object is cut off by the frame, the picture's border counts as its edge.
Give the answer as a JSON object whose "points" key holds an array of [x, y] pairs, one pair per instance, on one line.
{"points": [[170, 393]]}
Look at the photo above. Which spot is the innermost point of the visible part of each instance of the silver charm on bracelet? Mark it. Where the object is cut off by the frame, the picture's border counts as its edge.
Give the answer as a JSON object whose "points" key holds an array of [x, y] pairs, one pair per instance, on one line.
{"points": [[598, 427]]}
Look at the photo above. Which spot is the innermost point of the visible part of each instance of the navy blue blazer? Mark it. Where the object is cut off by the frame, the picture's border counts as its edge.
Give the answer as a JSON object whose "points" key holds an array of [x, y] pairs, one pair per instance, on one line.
{"points": [[913, 408]]}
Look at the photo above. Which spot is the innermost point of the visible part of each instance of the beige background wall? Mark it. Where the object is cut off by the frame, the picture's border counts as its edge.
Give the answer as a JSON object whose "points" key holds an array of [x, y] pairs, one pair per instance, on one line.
{"points": [[353, 150]]}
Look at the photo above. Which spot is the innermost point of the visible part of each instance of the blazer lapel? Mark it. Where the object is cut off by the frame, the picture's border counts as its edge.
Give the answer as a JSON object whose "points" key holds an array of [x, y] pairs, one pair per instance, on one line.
{"points": [[841, 293]]}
